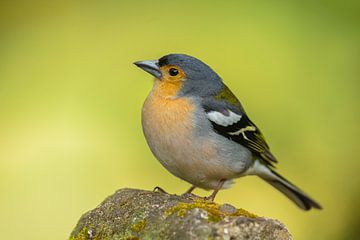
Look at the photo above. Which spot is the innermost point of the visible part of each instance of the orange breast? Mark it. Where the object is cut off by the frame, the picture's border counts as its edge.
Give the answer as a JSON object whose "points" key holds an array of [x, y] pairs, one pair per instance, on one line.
{"points": [[165, 114], [168, 125]]}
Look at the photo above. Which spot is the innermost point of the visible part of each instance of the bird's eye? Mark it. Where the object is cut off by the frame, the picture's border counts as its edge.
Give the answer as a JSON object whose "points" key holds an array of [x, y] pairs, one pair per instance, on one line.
{"points": [[173, 72]]}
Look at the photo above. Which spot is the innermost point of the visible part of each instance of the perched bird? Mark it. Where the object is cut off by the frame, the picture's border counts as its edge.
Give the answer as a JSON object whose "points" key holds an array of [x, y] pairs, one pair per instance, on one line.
{"points": [[198, 130]]}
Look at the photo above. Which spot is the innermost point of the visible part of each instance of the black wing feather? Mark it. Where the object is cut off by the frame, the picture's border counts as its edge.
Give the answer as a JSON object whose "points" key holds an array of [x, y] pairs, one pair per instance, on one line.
{"points": [[252, 138]]}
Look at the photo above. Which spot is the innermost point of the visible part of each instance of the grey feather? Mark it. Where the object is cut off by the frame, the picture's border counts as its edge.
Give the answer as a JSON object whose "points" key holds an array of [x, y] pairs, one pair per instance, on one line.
{"points": [[291, 191], [201, 80]]}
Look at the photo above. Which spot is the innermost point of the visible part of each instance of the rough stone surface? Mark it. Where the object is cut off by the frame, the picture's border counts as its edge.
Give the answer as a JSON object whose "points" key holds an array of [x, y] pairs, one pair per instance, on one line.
{"points": [[137, 214]]}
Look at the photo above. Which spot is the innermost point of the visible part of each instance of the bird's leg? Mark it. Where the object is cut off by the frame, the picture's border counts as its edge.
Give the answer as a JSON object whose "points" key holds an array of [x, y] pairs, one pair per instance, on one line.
{"points": [[216, 190], [189, 193], [159, 189]]}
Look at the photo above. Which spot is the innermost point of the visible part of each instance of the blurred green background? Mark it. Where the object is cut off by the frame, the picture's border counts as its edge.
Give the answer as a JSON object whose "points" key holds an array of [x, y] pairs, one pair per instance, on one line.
{"points": [[70, 102]]}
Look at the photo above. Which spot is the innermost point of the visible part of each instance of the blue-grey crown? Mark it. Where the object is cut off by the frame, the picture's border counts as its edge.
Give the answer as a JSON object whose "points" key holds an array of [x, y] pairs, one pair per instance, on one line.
{"points": [[201, 80]]}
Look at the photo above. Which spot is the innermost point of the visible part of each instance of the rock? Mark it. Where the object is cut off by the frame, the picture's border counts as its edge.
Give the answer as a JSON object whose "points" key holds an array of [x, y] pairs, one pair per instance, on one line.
{"points": [[137, 214]]}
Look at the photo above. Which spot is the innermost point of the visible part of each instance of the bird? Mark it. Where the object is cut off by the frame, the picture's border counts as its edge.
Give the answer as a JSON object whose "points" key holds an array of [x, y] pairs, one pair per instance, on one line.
{"points": [[199, 131]]}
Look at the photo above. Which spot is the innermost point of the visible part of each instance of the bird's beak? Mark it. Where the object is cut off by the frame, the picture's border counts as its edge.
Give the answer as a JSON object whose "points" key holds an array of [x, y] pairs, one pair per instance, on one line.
{"points": [[150, 66]]}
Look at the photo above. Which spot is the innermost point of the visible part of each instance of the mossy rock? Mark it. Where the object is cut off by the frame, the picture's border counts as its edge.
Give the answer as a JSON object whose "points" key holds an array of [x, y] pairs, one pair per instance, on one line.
{"points": [[131, 214]]}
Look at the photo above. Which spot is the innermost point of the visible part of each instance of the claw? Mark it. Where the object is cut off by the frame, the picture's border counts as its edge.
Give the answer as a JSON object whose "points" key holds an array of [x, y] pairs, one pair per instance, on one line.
{"points": [[216, 190], [190, 195], [159, 189]]}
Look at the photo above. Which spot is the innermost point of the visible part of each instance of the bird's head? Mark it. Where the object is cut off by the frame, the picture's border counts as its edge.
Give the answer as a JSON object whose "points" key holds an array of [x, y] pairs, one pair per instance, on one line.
{"points": [[187, 75]]}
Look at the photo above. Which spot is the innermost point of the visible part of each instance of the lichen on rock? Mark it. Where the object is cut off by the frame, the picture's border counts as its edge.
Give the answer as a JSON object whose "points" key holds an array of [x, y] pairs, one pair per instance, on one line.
{"points": [[137, 214]]}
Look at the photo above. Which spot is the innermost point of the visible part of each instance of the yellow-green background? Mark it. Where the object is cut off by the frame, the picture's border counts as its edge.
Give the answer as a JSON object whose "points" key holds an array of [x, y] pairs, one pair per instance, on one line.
{"points": [[70, 101]]}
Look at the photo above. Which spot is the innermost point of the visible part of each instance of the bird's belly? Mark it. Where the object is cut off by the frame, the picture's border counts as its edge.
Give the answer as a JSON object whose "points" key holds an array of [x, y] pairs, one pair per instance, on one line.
{"points": [[203, 161]]}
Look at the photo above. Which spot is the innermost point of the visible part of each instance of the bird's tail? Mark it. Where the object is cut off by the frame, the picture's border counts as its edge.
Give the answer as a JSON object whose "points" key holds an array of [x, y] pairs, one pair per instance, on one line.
{"points": [[287, 188], [291, 191]]}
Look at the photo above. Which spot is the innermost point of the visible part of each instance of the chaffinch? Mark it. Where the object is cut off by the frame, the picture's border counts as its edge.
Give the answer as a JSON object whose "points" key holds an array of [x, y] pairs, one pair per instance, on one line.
{"points": [[198, 130]]}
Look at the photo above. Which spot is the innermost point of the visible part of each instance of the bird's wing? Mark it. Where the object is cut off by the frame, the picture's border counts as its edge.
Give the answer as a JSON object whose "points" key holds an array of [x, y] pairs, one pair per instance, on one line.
{"points": [[228, 119]]}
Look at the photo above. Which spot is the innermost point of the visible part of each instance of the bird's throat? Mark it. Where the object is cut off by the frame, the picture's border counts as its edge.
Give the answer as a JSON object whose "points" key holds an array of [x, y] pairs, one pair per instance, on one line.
{"points": [[166, 89]]}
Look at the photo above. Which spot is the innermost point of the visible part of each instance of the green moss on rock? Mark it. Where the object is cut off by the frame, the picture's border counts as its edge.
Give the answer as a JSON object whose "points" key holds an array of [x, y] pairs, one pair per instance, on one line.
{"points": [[139, 226], [132, 214], [212, 208]]}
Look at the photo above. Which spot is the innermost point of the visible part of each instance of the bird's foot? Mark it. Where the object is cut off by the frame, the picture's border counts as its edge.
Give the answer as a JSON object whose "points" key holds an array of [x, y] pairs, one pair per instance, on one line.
{"points": [[190, 195], [159, 189], [216, 190], [210, 198]]}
